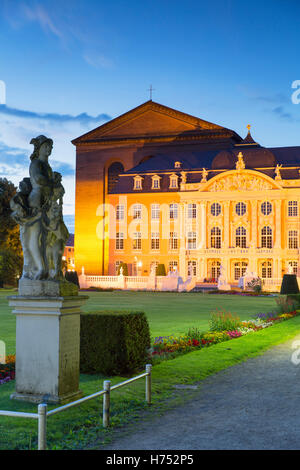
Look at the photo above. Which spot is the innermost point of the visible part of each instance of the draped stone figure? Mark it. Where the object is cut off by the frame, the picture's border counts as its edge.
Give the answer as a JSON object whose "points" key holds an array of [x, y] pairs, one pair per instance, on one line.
{"points": [[37, 208]]}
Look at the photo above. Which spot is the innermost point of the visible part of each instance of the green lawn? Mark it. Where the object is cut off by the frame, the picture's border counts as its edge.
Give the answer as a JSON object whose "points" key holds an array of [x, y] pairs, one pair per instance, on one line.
{"points": [[167, 313]]}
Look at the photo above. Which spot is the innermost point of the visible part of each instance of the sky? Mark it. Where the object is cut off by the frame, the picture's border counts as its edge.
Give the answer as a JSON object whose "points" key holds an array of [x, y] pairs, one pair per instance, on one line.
{"points": [[68, 67]]}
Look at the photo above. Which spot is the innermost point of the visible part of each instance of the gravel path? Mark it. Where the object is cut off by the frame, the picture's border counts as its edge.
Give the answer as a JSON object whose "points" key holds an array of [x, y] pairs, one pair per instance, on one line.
{"points": [[253, 405]]}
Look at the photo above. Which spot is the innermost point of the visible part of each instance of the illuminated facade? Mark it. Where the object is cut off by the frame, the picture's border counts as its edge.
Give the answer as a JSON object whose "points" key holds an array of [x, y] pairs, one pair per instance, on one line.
{"points": [[157, 186]]}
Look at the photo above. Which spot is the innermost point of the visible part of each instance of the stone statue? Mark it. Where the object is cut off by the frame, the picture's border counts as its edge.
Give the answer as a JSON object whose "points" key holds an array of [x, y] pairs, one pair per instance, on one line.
{"points": [[277, 172], [204, 175], [222, 280], [37, 208]]}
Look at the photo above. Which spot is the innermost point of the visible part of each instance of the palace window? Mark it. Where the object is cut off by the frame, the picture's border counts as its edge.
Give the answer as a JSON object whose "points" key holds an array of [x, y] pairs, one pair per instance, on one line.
{"points": [[173, 266], [215, 269], [155, 211], [137, 182], [173, 181], [215, 209], [266, 237], [117, 265], [120, 212], [266, 208], [240, 208], [137, 241], [173, 211], [191, 240], [293, 239], [155, 241], [155, 182], [192, 211], [137, 211], [241, 237], [192, 268], [293, 265], [177, 165], [215, 237], [266, 270], [240, 268], [293, 208], [173, 241], [119, 241]]}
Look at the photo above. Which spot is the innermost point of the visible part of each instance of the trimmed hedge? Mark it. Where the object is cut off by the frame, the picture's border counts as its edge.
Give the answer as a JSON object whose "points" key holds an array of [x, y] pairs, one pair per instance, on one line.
{"points": [[289, 284], [113, 342], [161, 270]]}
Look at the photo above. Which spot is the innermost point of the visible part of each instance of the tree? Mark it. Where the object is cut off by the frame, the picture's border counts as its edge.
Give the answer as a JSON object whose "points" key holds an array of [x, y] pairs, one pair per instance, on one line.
{"points": [[11, 256], [161, 270]]}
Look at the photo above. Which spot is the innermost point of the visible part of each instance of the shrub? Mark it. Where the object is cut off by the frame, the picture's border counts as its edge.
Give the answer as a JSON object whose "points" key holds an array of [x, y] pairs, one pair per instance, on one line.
{"points": [[221, 321], [72, 276], [255, 285], [289, 284], [161, 270], [113, 342]]}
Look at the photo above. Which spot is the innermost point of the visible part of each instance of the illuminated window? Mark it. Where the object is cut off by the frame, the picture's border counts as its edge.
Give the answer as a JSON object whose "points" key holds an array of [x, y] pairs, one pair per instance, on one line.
{"points": [[173, 241], [241, 237], [173, 212], [173, 265], [293, 208], [192, 268], [215, 237], [293, 265], [155, 211], [192, 211], [177, 165], [119, 241], [215, 209], [215, 269], [191, 240], [155, 182], [137, 211], [266, 270], [239, 269], [240, 208], [155, 241], [137, 241], [137, 182], [173, 181], [266, 237], [266, 208], [293, 239], [120, 212]]}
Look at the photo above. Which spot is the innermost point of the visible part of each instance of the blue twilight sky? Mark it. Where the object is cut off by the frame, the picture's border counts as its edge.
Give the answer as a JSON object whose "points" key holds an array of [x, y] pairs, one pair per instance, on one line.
{"points": [[70, 65]]}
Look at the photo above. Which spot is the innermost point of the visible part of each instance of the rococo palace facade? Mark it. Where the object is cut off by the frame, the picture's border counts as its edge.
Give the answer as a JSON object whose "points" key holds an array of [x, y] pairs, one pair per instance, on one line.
{"points": [[158, 186]]}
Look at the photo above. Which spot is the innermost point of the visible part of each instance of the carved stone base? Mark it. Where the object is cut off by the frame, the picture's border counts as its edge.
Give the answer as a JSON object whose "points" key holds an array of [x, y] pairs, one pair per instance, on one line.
{"points": [[47, 347], [36, 288]]}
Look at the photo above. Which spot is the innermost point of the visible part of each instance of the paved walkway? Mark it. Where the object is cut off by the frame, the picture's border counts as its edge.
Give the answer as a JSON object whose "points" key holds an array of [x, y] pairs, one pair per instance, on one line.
{"points": [[253, 405]]}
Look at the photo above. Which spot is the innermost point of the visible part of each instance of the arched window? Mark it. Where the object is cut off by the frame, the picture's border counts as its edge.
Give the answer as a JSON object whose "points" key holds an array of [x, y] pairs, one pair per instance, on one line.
{"points": [[215, 209], [240, 268], [215, 237], [266, 237], [240, 208], [266, 208], [114, 171], [241, 237], [214, 270], [192, 268], [266, 270]]}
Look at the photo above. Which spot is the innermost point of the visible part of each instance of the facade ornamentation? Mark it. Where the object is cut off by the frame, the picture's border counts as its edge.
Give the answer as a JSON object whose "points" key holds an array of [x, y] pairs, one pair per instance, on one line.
{"points": [[240, 164], [240, 182]]}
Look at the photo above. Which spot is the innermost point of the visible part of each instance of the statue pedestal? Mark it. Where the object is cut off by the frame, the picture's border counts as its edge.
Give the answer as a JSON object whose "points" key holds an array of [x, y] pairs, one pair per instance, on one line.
{"points": [[47, 348]]}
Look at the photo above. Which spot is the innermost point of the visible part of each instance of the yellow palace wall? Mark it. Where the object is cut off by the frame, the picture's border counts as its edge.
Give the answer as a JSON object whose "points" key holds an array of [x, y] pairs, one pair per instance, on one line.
{"points": [[228, 189]]}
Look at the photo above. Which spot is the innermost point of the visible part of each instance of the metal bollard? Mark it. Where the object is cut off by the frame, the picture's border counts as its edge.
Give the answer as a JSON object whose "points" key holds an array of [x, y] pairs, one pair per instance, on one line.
{"points": [[106, 403], [148, 383], [42, 426]]}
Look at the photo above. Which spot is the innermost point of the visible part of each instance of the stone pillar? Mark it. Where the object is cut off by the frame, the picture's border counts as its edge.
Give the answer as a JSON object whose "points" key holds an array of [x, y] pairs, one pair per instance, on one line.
{"points": [[226, 224], [202, 244], [47, 347], [277, 224], [254, 224]]}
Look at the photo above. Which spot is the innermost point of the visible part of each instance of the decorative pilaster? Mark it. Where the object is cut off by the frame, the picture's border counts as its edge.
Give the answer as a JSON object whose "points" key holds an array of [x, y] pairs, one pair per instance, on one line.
{"points": [[226, 224], [202, 243], [277, 224], [253, 242]]}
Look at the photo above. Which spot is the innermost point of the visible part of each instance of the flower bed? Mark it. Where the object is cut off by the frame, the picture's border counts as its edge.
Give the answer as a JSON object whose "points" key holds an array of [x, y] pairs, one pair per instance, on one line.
{"points": [[166, 347], [7, 370]]}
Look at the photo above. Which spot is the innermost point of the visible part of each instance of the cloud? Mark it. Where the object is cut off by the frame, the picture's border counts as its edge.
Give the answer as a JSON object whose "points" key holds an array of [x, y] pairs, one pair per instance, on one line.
{"points": [[283, 114], [41, 16], [17, 127]]}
